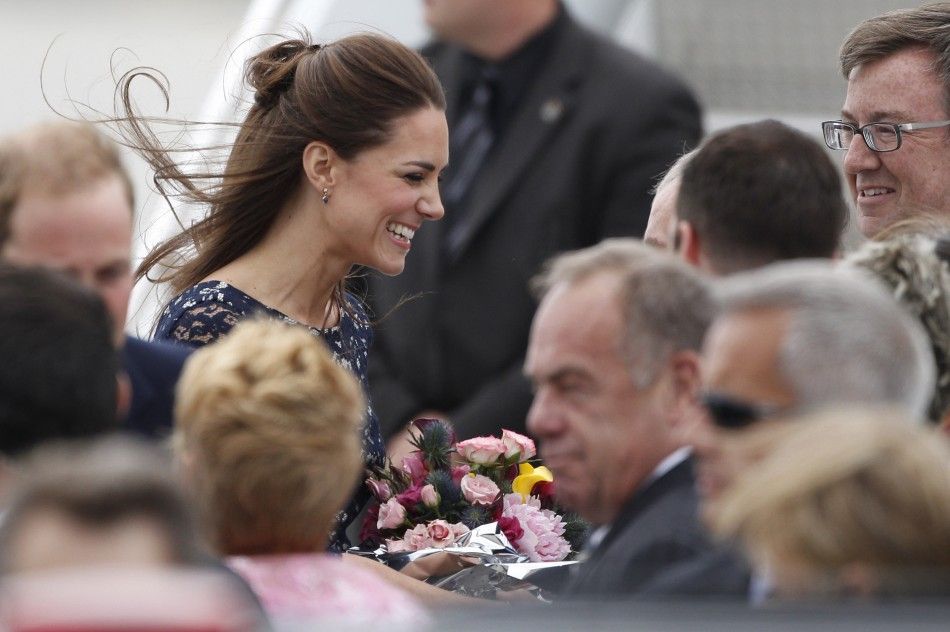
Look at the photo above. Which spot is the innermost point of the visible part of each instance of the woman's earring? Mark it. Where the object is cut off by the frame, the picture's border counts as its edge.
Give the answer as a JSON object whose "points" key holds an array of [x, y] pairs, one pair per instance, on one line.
{"points": [[326, 195]]}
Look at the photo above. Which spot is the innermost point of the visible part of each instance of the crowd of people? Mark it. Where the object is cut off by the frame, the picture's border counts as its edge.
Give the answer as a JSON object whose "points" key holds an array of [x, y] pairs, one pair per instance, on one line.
{"points": [[740, 409]]}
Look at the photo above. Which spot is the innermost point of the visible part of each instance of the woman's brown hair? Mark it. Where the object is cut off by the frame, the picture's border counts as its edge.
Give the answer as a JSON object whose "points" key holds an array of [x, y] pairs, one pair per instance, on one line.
{"points": [[346, 93]]}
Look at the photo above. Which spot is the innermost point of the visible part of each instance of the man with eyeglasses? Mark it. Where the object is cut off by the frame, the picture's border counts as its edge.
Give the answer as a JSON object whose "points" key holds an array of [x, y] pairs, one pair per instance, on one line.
{"points": [[898, 106]]}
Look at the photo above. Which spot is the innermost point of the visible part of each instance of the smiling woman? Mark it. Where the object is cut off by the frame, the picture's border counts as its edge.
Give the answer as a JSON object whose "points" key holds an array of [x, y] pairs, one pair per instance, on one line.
{"points": [[336, 164]]}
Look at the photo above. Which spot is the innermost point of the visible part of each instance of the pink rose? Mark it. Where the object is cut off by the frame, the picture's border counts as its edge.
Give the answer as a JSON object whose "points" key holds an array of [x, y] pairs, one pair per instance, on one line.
{"points": [[397, 546], [417, 538], [380, 489], [459, 471], [440, 533], [517, 445], [414, 465], [391, 514], [479, 490], [430, 497], [481, 450]]}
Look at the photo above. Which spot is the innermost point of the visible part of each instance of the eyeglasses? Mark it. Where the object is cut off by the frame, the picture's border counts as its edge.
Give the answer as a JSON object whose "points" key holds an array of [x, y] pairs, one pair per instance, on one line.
{"points": [[880, 137], [728, 412]]}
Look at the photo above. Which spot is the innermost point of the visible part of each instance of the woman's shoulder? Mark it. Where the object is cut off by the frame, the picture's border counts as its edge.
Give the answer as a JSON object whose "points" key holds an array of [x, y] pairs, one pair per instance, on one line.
{"points": [[204, 312]]}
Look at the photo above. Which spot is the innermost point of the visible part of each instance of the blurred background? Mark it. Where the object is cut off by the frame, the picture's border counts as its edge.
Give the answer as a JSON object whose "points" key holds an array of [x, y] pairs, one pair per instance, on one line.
{"points": [[746, 59]]}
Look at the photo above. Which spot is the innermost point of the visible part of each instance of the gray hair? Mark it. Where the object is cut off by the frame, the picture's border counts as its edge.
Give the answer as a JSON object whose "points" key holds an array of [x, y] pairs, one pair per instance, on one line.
{"points": [[666, 306], [847, 340]]}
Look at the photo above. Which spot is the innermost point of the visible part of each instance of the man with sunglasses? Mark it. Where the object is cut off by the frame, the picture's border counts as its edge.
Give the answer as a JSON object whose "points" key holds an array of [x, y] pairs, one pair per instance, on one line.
{"points": [[793, 337], [789, 338], [895, 122]]}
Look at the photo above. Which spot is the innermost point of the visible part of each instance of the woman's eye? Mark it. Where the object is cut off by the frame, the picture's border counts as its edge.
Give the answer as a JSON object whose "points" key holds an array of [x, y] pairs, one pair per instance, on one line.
{"points": [[414, 177]]}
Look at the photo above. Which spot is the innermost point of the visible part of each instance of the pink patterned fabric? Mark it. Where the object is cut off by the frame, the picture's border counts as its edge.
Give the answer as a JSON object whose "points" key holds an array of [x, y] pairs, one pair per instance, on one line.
{"points": [[321, 586]]}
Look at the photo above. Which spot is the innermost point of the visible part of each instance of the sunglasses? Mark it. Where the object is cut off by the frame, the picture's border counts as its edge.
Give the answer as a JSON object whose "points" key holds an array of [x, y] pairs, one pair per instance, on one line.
{"points": [[730, 412]]}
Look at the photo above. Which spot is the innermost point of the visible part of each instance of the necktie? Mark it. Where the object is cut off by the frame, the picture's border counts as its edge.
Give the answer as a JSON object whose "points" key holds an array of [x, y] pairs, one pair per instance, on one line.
{"points": [[472, 138]]}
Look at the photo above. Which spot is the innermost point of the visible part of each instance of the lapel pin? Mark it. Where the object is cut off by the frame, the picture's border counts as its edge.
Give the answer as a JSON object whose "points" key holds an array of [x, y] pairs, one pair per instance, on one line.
{"points": [[551, 110]]}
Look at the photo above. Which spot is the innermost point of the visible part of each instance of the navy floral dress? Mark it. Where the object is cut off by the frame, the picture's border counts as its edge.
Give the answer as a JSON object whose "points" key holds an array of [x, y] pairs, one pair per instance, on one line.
{"points": [[206, 311]]}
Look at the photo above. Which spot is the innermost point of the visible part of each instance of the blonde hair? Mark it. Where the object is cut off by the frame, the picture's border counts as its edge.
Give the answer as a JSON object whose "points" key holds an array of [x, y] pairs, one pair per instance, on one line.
{"points": [[271, 425], [906, 257], [844, 487], [55, 159]]}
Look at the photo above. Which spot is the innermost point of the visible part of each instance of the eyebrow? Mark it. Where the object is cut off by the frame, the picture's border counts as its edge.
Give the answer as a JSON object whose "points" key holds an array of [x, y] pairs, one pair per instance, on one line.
{"points": [[879, 116], [422, 164]]}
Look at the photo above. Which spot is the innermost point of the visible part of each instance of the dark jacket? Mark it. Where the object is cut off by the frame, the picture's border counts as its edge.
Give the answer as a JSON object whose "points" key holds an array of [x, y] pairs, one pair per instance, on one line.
{"points": [[654, 539], [153, 369], [573, 165]]}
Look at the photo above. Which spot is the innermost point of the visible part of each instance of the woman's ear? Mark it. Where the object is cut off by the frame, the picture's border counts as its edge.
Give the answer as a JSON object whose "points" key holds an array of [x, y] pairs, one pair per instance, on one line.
{"points": [[320, 164]]}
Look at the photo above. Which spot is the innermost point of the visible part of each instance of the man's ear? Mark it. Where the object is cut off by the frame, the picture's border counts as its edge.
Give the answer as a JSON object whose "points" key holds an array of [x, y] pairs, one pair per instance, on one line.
{"points": [[320, 164], [686, 373], [689, 249]]}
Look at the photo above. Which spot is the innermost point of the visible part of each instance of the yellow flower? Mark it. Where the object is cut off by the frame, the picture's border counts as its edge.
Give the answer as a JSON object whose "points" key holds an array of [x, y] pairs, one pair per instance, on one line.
{"points": [[529, 476]]}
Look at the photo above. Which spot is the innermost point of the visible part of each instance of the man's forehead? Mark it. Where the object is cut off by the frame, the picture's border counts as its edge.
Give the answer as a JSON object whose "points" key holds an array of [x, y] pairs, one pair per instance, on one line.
{"points": [[753, 332], [901, 87]]}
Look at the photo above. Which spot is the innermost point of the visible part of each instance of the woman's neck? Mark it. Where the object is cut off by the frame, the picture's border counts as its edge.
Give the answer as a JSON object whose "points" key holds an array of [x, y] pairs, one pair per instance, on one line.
{"points": [[292, 270]]}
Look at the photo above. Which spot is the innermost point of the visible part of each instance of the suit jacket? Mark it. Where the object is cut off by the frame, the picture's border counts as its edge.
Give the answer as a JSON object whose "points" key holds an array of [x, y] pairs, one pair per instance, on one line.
{"points": [[153, 369], [573, 165], [655, 536]]}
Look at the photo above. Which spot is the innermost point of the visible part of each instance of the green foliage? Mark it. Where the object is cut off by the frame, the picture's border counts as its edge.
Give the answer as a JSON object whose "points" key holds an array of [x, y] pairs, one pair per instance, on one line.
{"points": [[575, 531]]}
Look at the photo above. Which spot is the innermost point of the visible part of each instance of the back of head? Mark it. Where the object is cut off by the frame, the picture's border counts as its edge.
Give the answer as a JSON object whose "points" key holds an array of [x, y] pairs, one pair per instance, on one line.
{"points": [[98, 497], [847, 341], [269, 429], [848, 489], [59, 369], [913, 270], [762, 192], [53, 159], [347, 94], [665, 305], [884, 35]]}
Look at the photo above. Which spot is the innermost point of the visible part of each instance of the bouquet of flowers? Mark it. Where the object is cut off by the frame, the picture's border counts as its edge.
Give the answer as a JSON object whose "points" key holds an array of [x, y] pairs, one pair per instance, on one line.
{"points": [[445, 488]]}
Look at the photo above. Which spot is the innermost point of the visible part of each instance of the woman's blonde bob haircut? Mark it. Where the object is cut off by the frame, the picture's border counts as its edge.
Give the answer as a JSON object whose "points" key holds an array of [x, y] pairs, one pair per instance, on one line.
{"points": [[846, 489], [268, 427]]}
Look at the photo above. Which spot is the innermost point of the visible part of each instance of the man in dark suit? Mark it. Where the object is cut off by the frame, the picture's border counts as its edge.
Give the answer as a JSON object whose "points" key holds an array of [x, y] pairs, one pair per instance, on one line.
{"points": [[556, 136], [66, 203], [614, 359]]}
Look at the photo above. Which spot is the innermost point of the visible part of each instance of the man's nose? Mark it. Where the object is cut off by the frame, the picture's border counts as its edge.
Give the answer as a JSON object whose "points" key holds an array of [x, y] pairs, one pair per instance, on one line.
{"points": [[544, 416], [860, 157]]}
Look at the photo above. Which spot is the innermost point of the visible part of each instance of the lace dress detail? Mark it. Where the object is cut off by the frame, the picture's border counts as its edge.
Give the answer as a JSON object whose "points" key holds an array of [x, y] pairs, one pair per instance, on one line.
{"points": [[206, 311]]}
